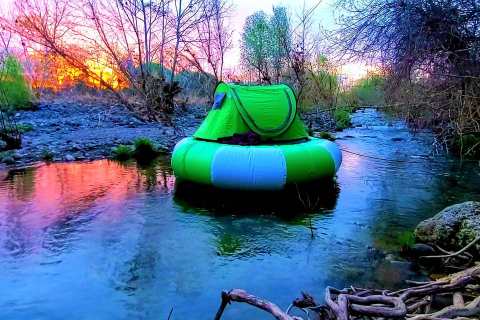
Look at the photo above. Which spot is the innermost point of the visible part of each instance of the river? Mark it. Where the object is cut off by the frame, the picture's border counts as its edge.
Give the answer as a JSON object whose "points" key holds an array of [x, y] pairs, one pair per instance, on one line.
{"points": [[104, 240]]}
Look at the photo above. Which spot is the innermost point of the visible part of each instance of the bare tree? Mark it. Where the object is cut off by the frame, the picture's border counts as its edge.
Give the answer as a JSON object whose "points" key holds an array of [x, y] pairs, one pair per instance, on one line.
{"points": [[299, 53], [431, 50], [139, 40], [214, 39]]}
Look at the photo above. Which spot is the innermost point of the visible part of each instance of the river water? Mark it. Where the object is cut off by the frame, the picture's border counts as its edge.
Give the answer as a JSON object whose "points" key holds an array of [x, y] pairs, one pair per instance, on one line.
{"points": [[103, 240]]}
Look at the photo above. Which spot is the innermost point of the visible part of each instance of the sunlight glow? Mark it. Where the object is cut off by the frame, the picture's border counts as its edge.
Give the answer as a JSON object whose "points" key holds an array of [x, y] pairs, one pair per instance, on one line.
{"points": [[355, 71]]}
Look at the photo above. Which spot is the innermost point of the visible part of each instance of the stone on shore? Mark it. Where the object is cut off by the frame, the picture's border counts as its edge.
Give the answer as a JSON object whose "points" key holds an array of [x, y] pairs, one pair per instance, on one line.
{"points": [[452, 228]]}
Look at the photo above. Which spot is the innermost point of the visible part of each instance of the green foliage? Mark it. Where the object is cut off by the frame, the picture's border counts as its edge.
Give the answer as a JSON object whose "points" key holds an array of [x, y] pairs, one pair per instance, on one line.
{"points": [[406, 239], [14, 90], [144, 150], [228, 245], [370, 91], [122, 152], [347, 99], [321, 89], [280, 29], [47, 155], [342, 118], [266, 42], [24, 127], [326, 135], [256, 42]]}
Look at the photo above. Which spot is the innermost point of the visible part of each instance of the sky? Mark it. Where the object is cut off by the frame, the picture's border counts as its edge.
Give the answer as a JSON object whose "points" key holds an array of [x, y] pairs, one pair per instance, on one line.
{"points": [[243, 8], [324, 16]]}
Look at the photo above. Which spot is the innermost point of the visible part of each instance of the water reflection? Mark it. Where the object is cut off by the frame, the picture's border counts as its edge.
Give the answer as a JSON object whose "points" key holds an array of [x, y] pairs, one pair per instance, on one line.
{"points": [[293, 202], [122, 241], [46, 207]]}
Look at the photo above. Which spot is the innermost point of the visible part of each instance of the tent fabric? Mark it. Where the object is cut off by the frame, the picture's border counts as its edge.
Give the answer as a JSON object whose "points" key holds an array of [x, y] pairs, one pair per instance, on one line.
{"points": [[268, 111]]}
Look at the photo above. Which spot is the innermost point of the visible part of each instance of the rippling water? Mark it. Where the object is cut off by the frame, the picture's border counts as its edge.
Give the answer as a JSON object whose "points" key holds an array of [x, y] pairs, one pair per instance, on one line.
{"points": [[102, 240]]}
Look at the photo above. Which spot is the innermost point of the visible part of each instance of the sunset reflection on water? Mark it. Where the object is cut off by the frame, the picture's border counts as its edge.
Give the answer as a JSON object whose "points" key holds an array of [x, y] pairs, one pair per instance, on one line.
{"points": [[38, 200]]}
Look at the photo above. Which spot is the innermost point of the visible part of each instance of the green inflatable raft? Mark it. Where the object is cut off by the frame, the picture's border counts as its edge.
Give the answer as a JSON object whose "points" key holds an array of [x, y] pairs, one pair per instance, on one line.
{"points": [[253, 139]]}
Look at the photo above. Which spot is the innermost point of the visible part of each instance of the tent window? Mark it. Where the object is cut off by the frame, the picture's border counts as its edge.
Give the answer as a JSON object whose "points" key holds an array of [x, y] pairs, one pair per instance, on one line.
{"points": [[218, 100]]}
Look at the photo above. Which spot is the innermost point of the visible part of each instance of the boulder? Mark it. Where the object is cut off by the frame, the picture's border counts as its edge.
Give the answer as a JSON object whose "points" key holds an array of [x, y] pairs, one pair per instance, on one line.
{"points": [[452, 228]]}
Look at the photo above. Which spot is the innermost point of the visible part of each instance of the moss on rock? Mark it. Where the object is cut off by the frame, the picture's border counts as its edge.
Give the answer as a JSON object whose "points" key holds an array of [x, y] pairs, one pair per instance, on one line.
{"points": [[453, 227]]}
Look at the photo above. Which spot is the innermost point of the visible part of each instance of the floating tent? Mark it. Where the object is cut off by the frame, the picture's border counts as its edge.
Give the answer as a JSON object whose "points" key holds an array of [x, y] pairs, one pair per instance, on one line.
{"points": [[268, 111], [283, 153]]}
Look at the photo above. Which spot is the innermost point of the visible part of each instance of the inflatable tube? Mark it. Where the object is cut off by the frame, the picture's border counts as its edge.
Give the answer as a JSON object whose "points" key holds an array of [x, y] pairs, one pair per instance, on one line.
{"points": [[263, 167]]}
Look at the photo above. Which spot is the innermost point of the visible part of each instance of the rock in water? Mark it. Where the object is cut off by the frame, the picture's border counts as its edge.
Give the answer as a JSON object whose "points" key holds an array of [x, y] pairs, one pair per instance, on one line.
{"points": [[69, 158], [452, 228], [420, 249]]}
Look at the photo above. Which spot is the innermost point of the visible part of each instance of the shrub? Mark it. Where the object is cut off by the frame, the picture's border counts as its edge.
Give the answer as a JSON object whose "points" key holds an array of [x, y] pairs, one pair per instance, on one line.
{"points": [[144, 150], [406, 239], [14, 90], [342, 118], [347, 100], [326, 135], [122, 152], [370, 91], [321, 89]]}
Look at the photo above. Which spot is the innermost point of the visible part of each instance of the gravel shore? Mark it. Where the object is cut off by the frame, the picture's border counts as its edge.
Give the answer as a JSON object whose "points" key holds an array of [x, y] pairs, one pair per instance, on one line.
{"points": [[71, 131]]}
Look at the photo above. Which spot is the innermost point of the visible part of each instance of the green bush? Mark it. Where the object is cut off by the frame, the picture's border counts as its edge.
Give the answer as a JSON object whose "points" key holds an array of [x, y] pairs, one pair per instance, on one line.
{"points": [[321, 89], [14, 90], [326, 135], [406, 239], [348, 100], [144, 150], [122, 152], [370, 91], [342, 118]]}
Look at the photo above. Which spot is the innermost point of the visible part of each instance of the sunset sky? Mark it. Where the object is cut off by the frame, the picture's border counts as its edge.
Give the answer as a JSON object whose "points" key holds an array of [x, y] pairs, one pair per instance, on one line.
{"points": [[243, 8]]}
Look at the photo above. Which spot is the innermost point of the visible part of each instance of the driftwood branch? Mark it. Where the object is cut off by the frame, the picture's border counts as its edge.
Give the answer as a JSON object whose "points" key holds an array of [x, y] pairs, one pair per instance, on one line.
{"points": [[238, 295], [468, 246], [414, 303]]}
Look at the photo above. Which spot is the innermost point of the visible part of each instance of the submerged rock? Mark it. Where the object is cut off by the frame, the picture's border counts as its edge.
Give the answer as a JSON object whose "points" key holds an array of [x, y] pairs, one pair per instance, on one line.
{"points": [[418, 250], [453, 228]]}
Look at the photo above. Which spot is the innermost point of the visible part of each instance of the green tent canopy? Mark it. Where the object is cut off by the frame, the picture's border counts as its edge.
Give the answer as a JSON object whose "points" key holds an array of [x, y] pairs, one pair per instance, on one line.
{"points": [[268, 111]]}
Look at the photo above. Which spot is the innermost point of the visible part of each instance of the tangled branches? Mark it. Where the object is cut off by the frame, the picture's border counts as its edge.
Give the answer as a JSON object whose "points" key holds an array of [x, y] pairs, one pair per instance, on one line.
{"points": [[430, 52], [415, 303]]}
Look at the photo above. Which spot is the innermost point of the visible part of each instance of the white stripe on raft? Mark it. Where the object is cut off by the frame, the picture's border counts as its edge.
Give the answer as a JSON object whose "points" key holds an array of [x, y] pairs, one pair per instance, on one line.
{"points": [[253, 168], [334, 151]]}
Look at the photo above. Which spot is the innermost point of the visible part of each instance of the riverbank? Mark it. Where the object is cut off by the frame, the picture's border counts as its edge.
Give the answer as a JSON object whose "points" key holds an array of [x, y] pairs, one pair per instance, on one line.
{"points": [[450, 292], [66, 131], [62, 130]]}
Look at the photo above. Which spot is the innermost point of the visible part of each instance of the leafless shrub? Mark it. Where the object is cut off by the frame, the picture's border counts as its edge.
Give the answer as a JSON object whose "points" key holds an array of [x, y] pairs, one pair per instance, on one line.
{"points": [[143, 43], [431, 50]]}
